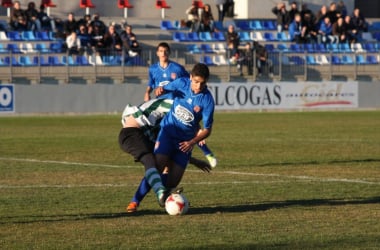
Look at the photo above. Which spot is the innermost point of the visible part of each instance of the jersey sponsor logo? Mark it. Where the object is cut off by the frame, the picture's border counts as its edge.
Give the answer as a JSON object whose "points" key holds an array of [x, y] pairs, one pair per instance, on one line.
{"points": [[163, 83], [197, 109], [183, 115]]}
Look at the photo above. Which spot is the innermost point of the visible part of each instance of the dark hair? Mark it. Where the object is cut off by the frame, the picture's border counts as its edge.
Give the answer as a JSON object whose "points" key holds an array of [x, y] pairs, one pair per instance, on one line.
{"points": [[202, 70], [165, 45]]}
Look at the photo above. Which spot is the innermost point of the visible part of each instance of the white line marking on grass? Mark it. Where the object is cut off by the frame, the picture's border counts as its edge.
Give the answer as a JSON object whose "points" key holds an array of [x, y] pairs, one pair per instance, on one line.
{"points": [[299, 177], [68, 163]]}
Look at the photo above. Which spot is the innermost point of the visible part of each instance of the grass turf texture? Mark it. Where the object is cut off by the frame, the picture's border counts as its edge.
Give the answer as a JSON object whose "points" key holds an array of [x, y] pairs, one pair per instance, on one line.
{"points": [[284, 181]]}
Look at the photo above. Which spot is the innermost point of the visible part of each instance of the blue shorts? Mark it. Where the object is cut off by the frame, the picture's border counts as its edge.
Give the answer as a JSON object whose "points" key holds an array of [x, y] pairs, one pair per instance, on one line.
{"points": [[169, 146]]}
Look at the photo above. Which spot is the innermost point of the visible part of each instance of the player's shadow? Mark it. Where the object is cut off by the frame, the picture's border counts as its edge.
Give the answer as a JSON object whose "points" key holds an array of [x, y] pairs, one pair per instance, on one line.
{"points": [[241, 208]]}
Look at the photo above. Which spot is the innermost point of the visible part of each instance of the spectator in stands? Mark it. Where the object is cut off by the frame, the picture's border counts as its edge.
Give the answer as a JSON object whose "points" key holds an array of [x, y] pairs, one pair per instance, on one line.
{"points": [[18, 20], [229, 8], [332, 13], [70, 25], [99, 23], [73, 44], [207, 19], [311, 30], [86, 20], [193, 18], [359, 21], [246, 59], [297, 31], [353, 35], [97, 40], [47, 23], [233, 41], [220, 7], [130, 42], [292, 12], [282, 17], [306, 11], [325, 32], [34, 23], [320, 17], [262, 59], [85, 39], [340, 30], [341, 8], [112, 41]]}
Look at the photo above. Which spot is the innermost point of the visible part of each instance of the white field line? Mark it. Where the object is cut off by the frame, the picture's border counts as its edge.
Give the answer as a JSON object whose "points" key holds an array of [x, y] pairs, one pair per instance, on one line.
{"points": [[297, 177]]}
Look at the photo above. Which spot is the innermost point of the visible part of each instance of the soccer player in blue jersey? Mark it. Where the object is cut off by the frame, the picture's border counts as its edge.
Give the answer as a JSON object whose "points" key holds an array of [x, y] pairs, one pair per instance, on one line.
{"points": [[164, 71], [179, 131], [160, 74]]}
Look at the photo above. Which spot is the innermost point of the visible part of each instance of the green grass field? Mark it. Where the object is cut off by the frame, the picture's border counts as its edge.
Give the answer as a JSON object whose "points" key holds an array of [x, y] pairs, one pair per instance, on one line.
{"points": [[284, 181]]}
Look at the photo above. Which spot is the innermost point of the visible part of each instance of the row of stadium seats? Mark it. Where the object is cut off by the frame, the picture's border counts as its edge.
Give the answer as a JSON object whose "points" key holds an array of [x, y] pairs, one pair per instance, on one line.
{"points": [[244, 25], [27, 36], [18, 48], [246, 36], [217, 60], [311, 48], [65, 60]]}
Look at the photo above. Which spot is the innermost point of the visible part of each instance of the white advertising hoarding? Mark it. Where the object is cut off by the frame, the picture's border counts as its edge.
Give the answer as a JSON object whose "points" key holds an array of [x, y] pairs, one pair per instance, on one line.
{"points": [[285, 95]]}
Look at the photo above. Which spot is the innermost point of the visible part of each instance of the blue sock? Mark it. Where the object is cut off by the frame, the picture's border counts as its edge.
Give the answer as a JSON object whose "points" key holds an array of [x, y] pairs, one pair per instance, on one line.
{"points": [[144, 188], [205, 149]]}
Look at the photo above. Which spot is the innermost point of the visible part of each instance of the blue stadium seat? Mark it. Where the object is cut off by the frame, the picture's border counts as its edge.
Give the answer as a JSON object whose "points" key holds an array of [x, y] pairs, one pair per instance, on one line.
{"points": [[14, 48], [296, 47], [40, 60], [360, 59], [207, 60], [193, 49], [310, 60], [206, 48], [242, 24], [309, 47], [255, 25], [11, 60], [347, 59], [269, 25], [219, 36], [372, 59], [269, 37], [167, 25], [82, 61], [297, 60], [41, 47], [68, 60], [112, 60], [336, 60], [26, 61], [14, 36], [282, 47], [283, 36], [344, 48], [244, 36], [320, 48], [206, 37], [180, 37], [193, 37], [219, 26], [332, 47], [55, 61], [370, 47], [42, 35], [269, 47], [3, 49], [28, 36], [56, 47]]}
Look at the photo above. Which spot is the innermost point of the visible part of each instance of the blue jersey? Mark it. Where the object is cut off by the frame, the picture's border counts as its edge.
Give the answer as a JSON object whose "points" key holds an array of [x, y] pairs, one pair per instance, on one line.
{"points": [[159, 76], [188, 109]]}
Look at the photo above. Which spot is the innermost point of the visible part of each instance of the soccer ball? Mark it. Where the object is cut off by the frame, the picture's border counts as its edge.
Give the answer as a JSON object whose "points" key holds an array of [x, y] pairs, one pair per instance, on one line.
{"points": [[176, 204]]}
